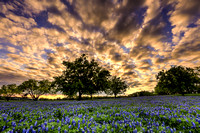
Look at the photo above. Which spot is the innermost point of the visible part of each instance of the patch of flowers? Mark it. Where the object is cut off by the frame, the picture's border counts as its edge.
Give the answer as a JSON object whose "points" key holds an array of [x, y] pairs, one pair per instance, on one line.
{"points": [[159, 114]]}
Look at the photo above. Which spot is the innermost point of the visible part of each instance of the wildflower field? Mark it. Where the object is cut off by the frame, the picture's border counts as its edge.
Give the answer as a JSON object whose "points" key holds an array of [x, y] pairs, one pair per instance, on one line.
{"points": [[151, 114]]}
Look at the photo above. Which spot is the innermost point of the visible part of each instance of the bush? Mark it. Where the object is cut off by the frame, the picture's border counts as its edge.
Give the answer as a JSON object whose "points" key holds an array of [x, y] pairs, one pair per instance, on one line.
{"points": [[141, 93]]}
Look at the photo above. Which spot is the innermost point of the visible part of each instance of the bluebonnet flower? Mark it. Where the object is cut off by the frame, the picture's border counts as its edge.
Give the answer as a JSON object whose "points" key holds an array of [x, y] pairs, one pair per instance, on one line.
{"points": [[27, 131], [193, 125], [45, 123], [73, 122], [78, 126], [24, 131], [52, 127], [47, 129], [58, 121], [43, 127], [35, 123], [5, 118], [13, 124], [171, 130], [69, 126], [83, 121], [33, 131], [31, 127], [80, 116], [59, 128], [89, 124], [39, 130], [115, 125], [135, 131]]}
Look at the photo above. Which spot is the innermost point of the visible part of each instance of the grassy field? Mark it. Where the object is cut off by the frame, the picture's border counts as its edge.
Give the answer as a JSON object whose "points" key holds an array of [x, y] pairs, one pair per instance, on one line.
{"points": [[137, 114]]}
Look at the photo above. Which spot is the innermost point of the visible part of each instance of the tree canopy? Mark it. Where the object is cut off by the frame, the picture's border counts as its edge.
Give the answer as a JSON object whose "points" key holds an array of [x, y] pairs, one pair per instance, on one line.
{"points": [[35, 88], [82, 77], [116, 86], [8, 91], [177, 79]]}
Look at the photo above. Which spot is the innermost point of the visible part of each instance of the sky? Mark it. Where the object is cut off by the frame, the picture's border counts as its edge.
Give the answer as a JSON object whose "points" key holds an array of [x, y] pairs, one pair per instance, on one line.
{"points": [[133, 39]]}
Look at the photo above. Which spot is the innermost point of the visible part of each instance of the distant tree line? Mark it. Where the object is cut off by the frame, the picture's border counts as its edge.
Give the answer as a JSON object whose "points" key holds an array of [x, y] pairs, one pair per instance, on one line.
{"points": [[141, 93], [178, 80], [82, 77]]}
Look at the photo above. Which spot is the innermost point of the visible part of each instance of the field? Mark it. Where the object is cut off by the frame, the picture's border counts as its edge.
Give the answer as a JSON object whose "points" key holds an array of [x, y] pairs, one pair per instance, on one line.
{"points": [[138, 114]]}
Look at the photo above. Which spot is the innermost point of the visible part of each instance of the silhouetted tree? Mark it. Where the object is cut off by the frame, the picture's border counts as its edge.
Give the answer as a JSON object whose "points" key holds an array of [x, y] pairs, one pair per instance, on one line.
{"points": [[35, 88], [82, 77], [98, 78], [116, 86], [141, 93], [177, 79], [197, 79], [8, 91]]}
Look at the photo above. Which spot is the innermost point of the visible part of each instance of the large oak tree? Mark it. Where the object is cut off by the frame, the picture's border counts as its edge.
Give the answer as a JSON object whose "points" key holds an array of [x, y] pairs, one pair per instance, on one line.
{"points": [[8, 91], [116, 86], [83, 77], [177, 79], [35, 88]]}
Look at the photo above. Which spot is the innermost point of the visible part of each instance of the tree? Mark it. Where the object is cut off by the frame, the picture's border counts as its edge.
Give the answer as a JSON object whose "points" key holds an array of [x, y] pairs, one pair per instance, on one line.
{"points": [[116, 86], [82, 77], [177, 79], [197, 80], [35, 88], [98, 78], [8, 91]]}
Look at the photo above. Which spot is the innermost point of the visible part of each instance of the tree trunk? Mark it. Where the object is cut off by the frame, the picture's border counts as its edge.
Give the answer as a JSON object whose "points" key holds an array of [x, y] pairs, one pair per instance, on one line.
{"points": [[91, 96], [7, 98], [35, 99], [79, 96], [115, 95]]}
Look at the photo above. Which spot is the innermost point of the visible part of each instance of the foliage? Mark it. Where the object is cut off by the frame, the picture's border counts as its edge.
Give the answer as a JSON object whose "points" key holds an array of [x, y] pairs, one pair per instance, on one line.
{"points": [[157, 114], [141, 93], [8, 91], [177, 79], [116, 86], [82, 77], [35, 88]]}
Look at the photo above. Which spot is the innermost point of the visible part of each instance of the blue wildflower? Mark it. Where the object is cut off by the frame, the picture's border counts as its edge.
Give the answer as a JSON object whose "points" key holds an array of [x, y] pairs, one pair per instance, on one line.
{"points": [[73, 122], [171, 130], [193, 125], [47, 129], [115, 125], [83, 121], [59, 128], [135, 131], [24, 131], [35, 123], [52, 127], [5, 118], [69, 126]]}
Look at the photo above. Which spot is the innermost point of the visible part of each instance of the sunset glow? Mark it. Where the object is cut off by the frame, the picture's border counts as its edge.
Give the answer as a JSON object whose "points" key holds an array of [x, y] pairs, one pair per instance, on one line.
{"points": [[133, 39]]}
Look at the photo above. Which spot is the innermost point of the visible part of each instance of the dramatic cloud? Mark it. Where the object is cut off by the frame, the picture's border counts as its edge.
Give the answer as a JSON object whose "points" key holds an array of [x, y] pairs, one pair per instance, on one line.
{"points": [[133, 39]]}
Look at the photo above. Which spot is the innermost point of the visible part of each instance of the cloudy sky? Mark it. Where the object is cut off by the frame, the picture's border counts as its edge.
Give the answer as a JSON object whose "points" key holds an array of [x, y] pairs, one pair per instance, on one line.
{"points": [[134, 39]]}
